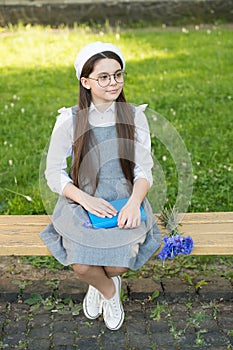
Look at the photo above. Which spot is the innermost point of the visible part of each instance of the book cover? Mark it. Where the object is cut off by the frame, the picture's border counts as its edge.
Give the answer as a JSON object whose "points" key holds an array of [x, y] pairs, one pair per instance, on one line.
{"points": [[106, 222]]}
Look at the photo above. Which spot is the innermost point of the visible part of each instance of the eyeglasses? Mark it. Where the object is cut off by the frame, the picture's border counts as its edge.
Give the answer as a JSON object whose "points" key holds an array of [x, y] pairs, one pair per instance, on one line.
{"points": [[105, 78]]}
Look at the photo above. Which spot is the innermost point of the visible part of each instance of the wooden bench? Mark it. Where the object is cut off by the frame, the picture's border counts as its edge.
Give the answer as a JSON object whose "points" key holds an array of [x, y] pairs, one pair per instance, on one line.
{"points": [[212, 233]]}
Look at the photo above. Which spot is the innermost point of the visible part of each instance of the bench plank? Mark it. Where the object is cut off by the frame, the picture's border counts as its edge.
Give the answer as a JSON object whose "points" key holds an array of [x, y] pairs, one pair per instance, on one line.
{"points": [[212, 233], [19, 235]]}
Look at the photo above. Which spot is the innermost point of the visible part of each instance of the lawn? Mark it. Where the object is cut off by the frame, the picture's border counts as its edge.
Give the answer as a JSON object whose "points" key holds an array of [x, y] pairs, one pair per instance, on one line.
{"points": [[184, 74]]}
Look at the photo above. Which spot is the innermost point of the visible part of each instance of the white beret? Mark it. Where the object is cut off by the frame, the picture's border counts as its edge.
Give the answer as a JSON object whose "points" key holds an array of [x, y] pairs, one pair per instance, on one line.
{"points": [[91, 50]]}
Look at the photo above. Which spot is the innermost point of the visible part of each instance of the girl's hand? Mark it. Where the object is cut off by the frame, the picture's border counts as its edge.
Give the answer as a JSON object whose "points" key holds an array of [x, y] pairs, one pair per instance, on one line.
{"points": [[129, 216], [97, 206]]}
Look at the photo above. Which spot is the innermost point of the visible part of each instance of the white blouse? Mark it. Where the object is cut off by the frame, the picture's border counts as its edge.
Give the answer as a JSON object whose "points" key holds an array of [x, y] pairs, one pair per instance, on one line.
{"points": [[60, 148]]}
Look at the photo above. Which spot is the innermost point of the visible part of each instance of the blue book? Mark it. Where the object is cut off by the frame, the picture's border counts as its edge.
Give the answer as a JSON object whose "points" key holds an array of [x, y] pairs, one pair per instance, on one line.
{"points": [[106, 222]]}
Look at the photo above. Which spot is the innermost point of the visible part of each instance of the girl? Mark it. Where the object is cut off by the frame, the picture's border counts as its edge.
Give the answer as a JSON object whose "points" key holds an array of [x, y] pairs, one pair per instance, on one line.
{"points": [[109, 144]]}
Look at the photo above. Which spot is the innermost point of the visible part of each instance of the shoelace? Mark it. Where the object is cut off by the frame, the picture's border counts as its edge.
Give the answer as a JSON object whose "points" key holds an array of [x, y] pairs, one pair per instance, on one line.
{"points": [[94, 295], [111, 308]]}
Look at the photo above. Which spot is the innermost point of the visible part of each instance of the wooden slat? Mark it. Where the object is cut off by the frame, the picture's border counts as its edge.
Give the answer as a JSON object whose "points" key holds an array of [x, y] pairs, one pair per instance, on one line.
{"points": [[206, 228], [212, 233], [19, 235], [17, 220], [214, 217]]}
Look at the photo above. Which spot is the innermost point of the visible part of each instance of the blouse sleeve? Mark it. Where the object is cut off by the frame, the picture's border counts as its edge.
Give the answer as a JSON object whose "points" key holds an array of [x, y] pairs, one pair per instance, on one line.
{"points": [[60, 148], [143, 158]]}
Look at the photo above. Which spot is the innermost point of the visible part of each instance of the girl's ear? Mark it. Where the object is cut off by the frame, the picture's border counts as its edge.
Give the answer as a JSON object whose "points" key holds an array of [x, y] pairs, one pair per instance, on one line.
{"points": [[85, 84]]}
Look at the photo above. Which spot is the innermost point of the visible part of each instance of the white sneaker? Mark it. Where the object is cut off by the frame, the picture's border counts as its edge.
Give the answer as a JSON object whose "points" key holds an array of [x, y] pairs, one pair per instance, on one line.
{"points": [[113, 312], [92, 303]]}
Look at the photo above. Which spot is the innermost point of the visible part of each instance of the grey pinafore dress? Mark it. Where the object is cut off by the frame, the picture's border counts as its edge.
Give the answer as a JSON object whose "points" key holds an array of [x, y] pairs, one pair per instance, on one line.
{"points": [[71, 242]]}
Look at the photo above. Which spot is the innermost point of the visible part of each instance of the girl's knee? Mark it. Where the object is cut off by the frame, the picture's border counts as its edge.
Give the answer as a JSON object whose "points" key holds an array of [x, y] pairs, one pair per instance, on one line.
{"points": [[112, 271], [80, 269]]}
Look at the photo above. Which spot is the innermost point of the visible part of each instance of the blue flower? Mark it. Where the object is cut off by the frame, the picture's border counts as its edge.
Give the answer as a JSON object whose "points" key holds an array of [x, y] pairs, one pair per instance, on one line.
{"points": [[175, 245], [87, 224]]}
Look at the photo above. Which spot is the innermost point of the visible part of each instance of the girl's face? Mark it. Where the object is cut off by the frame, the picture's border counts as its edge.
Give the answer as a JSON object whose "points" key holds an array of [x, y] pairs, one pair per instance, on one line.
{"points": [[103, 95]]}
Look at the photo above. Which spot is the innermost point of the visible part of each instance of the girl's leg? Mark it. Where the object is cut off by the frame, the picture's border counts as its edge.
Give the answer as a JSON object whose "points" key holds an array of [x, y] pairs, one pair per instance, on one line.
{"points": [[97, 277], [113, 271], [107, 281]]}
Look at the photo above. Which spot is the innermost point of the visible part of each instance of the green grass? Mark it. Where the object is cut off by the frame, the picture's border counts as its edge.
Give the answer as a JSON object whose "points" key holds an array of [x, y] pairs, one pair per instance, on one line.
{"points": [[184, 75]]}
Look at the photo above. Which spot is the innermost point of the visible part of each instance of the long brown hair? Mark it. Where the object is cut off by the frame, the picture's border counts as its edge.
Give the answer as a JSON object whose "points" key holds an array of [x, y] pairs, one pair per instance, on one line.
{"points": [[83, 135]]}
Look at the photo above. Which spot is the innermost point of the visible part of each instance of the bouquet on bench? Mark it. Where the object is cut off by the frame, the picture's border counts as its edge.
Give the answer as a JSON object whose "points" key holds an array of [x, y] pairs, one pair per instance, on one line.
{"points": [[174, 243]]}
